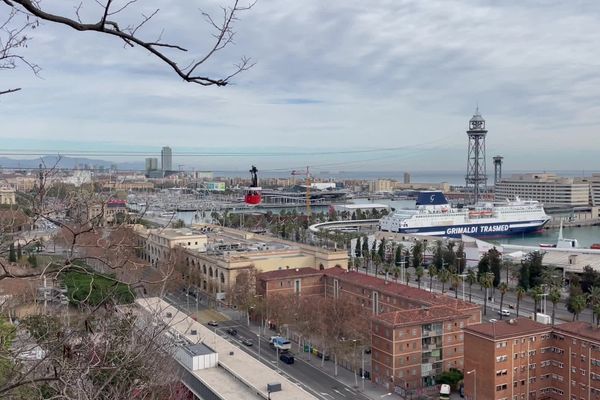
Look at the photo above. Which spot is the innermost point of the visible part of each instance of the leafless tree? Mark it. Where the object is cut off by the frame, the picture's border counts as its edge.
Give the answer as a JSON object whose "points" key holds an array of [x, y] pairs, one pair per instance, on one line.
{"points": [[25, 15]]}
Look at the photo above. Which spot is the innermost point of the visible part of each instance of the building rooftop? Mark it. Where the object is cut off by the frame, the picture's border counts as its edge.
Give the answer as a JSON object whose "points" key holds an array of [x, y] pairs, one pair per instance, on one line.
{"points": [[391, 287], [289, 273], [579, 328], [238, 374], [508, 328], [419, 315]]}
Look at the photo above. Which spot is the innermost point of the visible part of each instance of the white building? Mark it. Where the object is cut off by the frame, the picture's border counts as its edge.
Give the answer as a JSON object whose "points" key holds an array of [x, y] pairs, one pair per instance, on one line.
{"points": [[549, 189], [166, 159], [7, 195]]}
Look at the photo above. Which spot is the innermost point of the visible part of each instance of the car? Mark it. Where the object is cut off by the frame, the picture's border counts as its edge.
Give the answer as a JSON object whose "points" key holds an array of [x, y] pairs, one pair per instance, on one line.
{"points": [[504, 312], [247, 342], [287, 358], [232, 331], [213, 323], [492, 320]]}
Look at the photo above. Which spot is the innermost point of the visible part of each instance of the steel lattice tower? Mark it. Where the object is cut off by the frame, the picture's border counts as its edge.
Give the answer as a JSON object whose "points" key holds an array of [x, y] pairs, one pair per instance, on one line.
{"points": [[476, 178], [497, 169]]}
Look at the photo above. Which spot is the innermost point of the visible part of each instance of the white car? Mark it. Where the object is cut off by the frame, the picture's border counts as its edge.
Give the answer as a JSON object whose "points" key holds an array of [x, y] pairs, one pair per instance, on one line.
{"points": [[504, 312]]}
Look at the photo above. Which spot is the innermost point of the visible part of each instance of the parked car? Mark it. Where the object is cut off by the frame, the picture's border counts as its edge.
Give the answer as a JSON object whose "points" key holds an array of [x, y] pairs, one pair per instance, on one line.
{"points": [[287, 358], [232, 331], [492, 320], [247, 342], [504, 312], [213, 323]]}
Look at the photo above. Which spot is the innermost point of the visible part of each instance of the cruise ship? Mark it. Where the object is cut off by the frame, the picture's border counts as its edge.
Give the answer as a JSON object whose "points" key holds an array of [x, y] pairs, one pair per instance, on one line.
{"points": [[433, 216]]}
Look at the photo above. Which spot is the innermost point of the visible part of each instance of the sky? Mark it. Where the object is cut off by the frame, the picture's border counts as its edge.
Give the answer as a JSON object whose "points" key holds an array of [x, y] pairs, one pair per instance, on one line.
{"points": [[398, 78]]}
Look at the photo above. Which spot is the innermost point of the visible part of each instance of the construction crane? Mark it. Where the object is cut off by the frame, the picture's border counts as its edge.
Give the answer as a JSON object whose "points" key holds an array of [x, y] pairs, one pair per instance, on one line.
{"points": [[307, 174]]}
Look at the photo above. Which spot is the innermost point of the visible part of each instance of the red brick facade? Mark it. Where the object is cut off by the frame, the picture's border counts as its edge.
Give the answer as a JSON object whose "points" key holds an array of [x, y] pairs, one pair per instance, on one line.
{"points": [[415, 334], [522, 359]]}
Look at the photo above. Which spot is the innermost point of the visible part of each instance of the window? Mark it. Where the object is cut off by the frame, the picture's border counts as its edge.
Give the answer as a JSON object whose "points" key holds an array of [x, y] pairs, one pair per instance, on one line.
{"points": [[297, 286], [501, 358]]}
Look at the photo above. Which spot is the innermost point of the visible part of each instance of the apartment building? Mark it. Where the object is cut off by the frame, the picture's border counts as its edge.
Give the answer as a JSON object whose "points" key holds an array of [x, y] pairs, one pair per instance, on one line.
{"points": [[7, 196], [550, 189], [415, 334], [519, 359], [595, 189]]}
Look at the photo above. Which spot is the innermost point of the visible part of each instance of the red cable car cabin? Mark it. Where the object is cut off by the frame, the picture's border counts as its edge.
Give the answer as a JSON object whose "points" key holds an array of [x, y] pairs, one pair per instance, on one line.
{"points": [[253, 196]]}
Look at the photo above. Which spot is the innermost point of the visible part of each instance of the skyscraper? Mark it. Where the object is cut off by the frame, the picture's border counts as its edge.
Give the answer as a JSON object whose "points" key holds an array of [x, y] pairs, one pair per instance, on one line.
{"points": [[151, 164], [166, 159]]}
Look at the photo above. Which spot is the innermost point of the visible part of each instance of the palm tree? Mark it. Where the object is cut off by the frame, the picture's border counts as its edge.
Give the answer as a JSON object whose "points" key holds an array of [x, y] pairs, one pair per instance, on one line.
{"points": [[444, 277], [596, 311], [455, 282], [486, 281], [554, 297], [577, 305], [432, 272], [536, 294], [419, 272], [551, 277], [503, 288], [407, 277], [471, 279], [520, 291], [593, 299]]}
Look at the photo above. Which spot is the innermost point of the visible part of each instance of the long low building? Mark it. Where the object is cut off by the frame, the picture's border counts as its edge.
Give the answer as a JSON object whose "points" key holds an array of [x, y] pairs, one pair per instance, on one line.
{"points": [[214, 368]]}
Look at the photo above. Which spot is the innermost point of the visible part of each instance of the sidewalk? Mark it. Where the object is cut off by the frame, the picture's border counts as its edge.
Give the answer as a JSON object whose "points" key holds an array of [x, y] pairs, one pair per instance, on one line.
{"points": [[344, 376]]}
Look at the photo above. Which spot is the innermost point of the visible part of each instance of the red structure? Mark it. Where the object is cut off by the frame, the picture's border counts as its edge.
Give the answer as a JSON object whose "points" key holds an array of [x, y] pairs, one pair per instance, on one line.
{"points": [[253, 196]]}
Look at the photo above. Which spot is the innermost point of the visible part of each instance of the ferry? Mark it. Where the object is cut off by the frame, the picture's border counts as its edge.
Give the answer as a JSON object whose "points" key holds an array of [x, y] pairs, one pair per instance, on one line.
{"points": [[433, 216]]}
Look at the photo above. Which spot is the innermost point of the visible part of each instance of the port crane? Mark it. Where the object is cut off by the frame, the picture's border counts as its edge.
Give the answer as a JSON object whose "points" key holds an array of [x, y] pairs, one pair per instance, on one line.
{"points": [[308, 178]]}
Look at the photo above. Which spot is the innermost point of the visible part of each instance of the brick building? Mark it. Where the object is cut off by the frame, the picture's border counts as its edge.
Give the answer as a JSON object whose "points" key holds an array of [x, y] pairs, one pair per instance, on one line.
{"points": [[415, 334], [519, 359]]}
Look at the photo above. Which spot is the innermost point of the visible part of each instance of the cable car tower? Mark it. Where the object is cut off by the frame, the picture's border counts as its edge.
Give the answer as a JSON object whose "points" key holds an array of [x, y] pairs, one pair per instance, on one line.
{"points": [[476, 177]]}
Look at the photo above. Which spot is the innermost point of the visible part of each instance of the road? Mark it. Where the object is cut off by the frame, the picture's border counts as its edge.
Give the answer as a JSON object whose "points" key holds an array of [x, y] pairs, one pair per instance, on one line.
{"points": [[302, 372], [525, 309]]}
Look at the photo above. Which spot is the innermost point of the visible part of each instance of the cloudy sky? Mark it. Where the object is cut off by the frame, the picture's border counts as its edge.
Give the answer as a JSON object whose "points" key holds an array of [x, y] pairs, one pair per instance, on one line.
{"points": [[399, 78]]}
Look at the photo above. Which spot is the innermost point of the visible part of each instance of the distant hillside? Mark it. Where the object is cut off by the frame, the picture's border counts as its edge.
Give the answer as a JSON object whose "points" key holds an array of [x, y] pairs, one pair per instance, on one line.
{"points": [[67, 162]]}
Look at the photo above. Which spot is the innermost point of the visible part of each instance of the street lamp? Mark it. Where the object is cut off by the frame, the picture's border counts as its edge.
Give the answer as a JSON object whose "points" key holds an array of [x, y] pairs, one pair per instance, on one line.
{"points": [[463, 276], [474, 372]]}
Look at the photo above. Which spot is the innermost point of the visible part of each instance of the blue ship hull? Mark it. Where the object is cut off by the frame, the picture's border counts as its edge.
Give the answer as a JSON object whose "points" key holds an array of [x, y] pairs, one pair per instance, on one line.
{"points": [[499, 229]]}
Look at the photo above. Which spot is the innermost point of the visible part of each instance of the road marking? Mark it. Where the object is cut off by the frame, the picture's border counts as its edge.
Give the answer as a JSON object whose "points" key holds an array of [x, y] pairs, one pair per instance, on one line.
{"points": [[326, 394], [340, 393]]}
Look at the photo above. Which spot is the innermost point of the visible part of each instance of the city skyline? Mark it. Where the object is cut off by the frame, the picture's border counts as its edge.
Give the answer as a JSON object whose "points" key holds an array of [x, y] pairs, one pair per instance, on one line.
{"points": [[332, 76]]}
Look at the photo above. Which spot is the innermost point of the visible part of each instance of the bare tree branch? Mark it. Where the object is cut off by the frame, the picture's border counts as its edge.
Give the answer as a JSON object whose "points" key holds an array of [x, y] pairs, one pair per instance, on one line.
{"points": [[106, 24]]}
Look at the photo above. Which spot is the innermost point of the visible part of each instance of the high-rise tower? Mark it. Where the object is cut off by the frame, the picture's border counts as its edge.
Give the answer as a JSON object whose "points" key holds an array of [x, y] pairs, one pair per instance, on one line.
{"points": [[497, 169], [476, 178], [166, 159]]}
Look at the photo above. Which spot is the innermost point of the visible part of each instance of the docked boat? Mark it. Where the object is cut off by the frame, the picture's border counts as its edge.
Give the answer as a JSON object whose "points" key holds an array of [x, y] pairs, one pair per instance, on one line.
{"points": [[434, 216]]}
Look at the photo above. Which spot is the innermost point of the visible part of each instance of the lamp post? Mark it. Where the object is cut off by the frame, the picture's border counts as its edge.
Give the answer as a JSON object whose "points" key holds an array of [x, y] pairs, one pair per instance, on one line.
{"points": [[463, 276], [474, 372]]}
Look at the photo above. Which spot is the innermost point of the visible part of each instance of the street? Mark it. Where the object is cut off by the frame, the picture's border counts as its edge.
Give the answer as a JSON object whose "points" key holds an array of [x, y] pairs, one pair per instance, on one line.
{"points": [[304, 373]]}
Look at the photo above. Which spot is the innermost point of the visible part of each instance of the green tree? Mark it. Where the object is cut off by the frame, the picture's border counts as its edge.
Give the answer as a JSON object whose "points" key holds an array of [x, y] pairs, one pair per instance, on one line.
{"points": [[432, 271], [520, 292], [381, 250], [495, 264], [365, 247], [407, 276], [576, 305], [503, 288], [32, 260], [357, 248], [438, 255], [417, 254], [455, 283], [593, 299], [444, 277], [524, 276], [551, 277], [461, 258], [554, 297], [534, 261], [486, 281], [483, 267], [12, 255], [398, 255], [596, 311], [471, 279], [536, 294], [419, 272]]}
